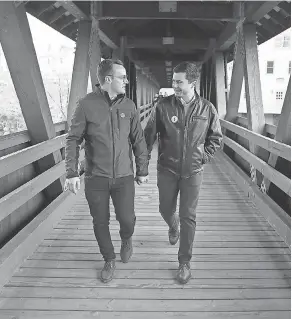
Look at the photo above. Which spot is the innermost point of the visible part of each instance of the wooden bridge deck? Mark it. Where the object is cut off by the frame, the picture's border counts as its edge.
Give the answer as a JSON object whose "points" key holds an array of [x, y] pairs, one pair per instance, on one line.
{"points": [[240, 266]]}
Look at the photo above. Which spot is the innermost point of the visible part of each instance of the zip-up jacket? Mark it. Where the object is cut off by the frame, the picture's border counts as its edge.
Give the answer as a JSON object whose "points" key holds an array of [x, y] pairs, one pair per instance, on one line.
{"points": [[111, 130], [185, 142]]}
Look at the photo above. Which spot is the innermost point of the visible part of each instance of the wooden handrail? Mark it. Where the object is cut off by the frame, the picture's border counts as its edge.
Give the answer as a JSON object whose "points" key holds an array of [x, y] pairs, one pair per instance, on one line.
{"points": [[19, 159], [277, 148], [280, 180], [10, 140], [22, 194]]}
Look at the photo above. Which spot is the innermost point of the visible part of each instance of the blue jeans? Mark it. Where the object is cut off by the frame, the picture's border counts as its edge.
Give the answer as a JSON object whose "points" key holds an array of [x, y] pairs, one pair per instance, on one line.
{"points": [[98, 191], [168, 186]]}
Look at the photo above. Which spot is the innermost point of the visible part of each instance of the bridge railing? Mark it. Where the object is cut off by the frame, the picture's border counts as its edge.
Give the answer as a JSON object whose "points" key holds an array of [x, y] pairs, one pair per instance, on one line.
{"points": [[272, 146], [21, 188], [145, 111], [244, 165]]}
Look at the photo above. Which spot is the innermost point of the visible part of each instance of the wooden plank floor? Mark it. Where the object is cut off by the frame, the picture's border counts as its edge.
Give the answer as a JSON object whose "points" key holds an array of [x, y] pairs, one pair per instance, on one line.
{"points": [[240, 266]]}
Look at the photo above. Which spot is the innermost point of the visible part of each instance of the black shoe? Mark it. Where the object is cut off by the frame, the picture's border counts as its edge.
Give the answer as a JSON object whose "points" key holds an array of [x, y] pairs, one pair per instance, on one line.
{"points": [[184, 273], [108, 271], [173, 232], [126, 250]]}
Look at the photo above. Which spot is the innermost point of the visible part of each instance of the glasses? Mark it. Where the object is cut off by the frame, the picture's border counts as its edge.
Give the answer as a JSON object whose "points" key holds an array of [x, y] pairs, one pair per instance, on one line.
{"points": [[123, 77]]}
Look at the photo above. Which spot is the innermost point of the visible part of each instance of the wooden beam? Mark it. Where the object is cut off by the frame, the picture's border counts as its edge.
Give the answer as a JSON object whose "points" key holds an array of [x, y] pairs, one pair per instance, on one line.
{"points": [[236, 80], [155, 42], [150, 10], [80, 69], [141, 55], [257, 10], [253, 91], [94, 47], [54, 16], [28, 83], [71, 7], [210, 48], [253, 12], [107, 33], [283, 132], [254, 101], [220, 84]]}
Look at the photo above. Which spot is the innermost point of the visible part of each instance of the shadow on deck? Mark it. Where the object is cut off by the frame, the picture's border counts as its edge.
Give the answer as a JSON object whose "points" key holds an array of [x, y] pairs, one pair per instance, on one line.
{"points": [[240, 266]]}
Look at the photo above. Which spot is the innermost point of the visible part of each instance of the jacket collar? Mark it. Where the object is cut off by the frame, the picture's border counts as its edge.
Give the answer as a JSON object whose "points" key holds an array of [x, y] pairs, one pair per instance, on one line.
{"points": [[104, 93]]}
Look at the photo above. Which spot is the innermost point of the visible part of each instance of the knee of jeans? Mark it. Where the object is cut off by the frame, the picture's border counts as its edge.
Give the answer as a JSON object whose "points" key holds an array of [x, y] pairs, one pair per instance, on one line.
{"points": [[191, 219], [128, 221], [97, 222]]}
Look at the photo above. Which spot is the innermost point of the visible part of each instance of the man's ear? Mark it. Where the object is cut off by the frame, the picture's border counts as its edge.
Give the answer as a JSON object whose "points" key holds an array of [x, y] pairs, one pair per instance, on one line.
{"points": [[107, 79], [193, 84]]}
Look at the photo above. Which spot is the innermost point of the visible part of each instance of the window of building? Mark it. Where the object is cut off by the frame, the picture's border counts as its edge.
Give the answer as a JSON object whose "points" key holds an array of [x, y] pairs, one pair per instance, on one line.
{"points": [[270, 67], [286, 41], [279, 95], [289, 67]]}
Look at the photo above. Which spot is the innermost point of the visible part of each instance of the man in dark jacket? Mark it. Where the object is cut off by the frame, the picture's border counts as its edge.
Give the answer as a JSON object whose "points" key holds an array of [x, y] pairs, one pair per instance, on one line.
{"points": [[110, 125], [189, 134]]}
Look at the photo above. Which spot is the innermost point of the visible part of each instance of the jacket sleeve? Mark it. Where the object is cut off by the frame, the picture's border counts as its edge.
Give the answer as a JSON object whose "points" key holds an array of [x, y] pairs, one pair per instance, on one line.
{"points": [[73, 141], [138, 145], [150, 131], [214, 136]]}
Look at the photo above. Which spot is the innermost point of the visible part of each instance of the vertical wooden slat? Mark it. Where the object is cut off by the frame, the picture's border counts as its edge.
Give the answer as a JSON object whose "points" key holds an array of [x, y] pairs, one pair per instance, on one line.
{"points": [[220, 84], [80, 69], [18, 47]]}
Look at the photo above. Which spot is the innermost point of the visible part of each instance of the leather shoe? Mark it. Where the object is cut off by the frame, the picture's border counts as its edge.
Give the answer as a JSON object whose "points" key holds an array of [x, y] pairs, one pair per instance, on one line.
{"points": [[184, 273], [108, 271], [173, 232], [126, 250]]}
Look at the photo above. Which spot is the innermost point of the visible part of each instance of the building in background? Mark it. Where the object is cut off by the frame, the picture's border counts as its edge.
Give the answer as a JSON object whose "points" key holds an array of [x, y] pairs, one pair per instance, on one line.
{"points": [[275, 69]]}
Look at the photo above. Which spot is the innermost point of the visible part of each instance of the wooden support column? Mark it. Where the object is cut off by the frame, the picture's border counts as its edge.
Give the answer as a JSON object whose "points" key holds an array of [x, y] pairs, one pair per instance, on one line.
{"points": [[220, 84], [236, 80], [254, 102], [283, 132], [19, 51], [139, 90], [80, 73], [225, 77], [94, 51]]}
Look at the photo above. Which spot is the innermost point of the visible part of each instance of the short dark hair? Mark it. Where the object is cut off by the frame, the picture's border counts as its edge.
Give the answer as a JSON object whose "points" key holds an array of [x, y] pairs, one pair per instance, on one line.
{"points": [[105, 68], [191, 69]]}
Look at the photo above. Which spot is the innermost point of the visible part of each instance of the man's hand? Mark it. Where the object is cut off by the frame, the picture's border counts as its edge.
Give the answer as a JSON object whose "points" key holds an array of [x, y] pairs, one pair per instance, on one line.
{"points": [[141, 179], [73, 184]]}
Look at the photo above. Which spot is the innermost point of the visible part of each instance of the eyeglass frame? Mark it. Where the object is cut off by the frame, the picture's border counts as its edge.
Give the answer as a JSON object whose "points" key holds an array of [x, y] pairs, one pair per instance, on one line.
{"points": [[124, 77]]}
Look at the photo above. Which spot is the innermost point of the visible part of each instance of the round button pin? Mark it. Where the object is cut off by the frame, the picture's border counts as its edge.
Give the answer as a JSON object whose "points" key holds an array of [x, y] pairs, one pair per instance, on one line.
{"points": [[174, 119], [122, 114]]}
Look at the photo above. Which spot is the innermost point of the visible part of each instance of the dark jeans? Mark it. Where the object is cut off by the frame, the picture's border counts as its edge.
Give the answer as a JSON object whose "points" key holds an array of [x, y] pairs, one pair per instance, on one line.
{"points": [[98, 191], [169, 185]]}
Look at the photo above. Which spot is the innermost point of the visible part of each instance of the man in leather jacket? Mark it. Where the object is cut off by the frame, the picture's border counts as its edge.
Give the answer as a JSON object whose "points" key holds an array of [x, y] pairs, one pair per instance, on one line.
{"points": [[110, 125], [189, 133]]}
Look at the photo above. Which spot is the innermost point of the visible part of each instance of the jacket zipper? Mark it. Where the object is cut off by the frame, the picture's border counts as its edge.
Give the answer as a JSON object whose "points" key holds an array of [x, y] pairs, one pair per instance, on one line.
{"points": [[113, 139]]}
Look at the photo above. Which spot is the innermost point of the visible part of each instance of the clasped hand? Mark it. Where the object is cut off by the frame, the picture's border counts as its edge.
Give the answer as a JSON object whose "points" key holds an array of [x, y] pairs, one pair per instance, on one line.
{"points": [[141, 179]]}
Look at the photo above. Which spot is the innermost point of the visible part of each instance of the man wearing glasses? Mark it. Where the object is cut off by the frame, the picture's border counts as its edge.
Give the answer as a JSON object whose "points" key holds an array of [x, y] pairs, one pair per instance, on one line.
{"points": [[109, 123]]}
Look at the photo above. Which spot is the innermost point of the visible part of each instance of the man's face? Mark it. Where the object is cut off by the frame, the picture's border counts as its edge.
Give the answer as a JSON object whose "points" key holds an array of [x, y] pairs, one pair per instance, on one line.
{"points": [[181, 85], [119, 79]]}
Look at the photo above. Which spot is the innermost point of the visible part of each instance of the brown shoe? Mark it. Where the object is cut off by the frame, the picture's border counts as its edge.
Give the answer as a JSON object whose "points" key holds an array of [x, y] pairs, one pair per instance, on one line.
{"points": [[184, 273], [108, 271], [126, 250], [173, 232]]}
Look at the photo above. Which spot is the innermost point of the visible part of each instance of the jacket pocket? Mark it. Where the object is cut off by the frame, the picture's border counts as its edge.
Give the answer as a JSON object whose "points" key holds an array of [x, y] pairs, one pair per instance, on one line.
{"points": [[124, 122]]}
